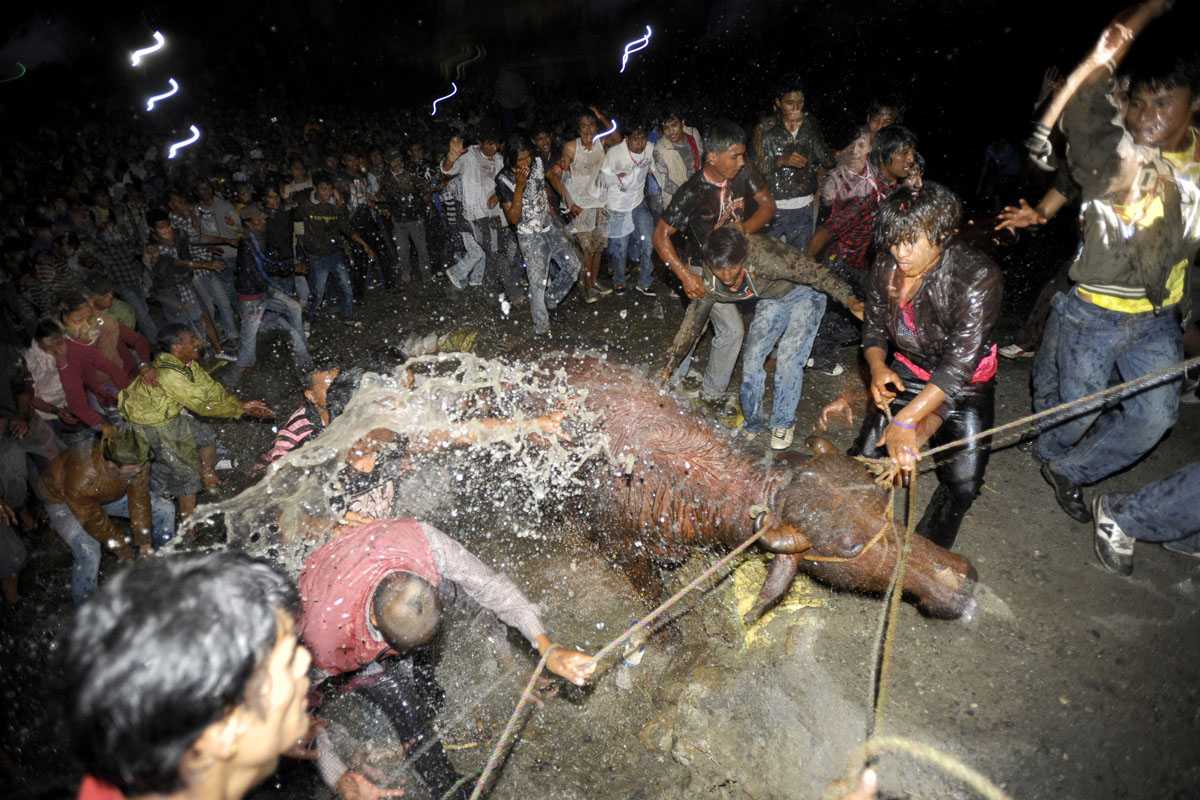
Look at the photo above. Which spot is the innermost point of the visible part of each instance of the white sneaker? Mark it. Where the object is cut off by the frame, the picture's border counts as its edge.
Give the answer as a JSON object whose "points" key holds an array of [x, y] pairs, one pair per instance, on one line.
{"points": [[781, 438], [1016, 351], [1113, 547], [834, 371]]}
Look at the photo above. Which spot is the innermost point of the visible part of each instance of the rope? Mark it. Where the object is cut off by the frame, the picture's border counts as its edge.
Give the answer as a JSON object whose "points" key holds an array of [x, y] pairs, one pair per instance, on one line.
{"points": [[502, 743], [944, 761], [895, 594], [881, 467]]}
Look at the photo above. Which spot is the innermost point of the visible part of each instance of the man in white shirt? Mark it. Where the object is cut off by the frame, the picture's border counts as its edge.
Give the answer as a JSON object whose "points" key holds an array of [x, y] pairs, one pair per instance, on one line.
{"points": [[630, 223], [479, 165]]}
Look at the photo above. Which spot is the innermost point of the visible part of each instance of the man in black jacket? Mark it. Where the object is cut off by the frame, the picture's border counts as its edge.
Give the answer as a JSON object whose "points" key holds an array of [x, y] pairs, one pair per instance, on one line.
{"points": [[263, 304]]}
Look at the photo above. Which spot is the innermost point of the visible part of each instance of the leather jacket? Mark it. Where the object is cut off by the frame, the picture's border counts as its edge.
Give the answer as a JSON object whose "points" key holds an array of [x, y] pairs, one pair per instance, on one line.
{"points": [[955, 311], [84, 481]]}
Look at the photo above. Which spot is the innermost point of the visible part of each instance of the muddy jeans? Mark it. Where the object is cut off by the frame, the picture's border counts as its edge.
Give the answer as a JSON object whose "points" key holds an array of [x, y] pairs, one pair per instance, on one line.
{"points": [[792, 321], [539, 249], [1162, 511], [320, 268], [728, 332], [1090, 342], [273, 311], [210, 287]]}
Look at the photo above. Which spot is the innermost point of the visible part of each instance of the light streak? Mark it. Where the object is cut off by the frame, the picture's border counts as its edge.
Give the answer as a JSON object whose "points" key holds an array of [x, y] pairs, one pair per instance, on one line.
{"points": [[145, 51], [453, 86], [642, 43], [18, 75], [480, 53], [174, 88], [608, 132], [175, 148]]}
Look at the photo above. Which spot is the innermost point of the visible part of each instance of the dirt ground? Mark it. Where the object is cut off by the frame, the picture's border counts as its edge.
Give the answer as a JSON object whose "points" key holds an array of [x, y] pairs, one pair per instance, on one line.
{"points": [[1069, 682]]}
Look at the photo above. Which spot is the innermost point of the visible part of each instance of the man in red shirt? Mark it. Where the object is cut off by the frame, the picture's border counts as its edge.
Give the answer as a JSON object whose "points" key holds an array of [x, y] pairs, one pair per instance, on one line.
{"points": [[373, 594]]}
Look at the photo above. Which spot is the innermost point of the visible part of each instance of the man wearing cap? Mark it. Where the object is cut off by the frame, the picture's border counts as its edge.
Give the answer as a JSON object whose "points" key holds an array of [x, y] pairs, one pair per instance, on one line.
{"points": [[263, 304]]}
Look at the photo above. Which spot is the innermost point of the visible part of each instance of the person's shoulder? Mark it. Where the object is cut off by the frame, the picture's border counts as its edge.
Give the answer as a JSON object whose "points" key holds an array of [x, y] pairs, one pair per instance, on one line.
{"points": [[970, 261]]}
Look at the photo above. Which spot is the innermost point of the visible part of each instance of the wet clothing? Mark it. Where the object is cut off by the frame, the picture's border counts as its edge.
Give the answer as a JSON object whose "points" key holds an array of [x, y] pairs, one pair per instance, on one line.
{"points": [[304, 423], [80, 479], [959, 473], [701, 206], [339, 580], [943, 336], [790, 185], [850, 222], [773, 270], [96, 789], [114, 339], [1163, 510], [535, 217], [179, 386], [406, 195], [84, 370], [672, 164], [951, 326]]}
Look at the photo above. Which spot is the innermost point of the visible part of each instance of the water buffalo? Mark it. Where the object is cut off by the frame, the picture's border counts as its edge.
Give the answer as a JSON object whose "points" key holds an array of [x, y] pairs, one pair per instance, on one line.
{"points": [[673, 482]]}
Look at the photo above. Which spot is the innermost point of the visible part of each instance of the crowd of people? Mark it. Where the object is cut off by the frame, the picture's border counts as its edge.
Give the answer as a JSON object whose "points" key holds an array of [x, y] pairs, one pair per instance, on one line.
{"points": [[127, 273]]}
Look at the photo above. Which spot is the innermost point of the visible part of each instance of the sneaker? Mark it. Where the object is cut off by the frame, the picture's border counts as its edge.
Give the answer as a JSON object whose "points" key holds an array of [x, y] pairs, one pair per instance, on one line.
{"points": [[1113, 547], [589, 296], [599, 288], [1016, 351], [781, 438], [226, 355], [1178, 549], [646, 290], [455, 282], [620, 288]]}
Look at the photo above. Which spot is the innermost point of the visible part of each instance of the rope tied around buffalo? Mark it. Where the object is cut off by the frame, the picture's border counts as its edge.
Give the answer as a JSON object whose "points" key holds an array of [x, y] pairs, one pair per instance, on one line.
{"points": [[885, 471]]}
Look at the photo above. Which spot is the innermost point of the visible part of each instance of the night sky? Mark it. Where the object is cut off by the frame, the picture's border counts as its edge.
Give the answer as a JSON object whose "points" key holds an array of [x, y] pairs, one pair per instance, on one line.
{"points": [[968, 71]]}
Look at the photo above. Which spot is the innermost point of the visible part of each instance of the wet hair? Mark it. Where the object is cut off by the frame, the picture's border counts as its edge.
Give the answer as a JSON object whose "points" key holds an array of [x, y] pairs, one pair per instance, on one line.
{"points": [[157, 215], [321, 176], [726, 248], [674, 109], [71, 300], [878, 106], [340, 392], [487, 132], [407, 610], [722, 135], [45, 329], [516, 142], [932, 211], [888, 141], [159, 653], [171, 334], [791, 82], [918, 164], [1160, 69], [541, 125]]}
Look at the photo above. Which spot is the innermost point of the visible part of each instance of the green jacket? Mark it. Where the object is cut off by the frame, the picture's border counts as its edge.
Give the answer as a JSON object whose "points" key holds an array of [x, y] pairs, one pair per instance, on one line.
{"points": [[179, 386]]}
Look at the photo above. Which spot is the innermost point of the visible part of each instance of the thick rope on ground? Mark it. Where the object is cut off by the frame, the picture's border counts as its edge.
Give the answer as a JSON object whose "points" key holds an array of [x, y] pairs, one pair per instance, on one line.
{"points": [[943, 761]]}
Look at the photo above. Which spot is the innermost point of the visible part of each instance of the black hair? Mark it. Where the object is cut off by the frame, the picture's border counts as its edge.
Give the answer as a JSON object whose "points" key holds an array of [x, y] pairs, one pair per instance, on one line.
{"points": [[726, 248], [634, 124], [918, 164], [171, 334], [1161, 69], [541, 125], [71, 300], [321, 176], [45, 329], [338, 396], [156, 215], [791, 82], [673, 109], [932, 211], [173, 192], [893, 104], [516, 142], [161, 652], [488, 132], [722, 135], [888, 141]]}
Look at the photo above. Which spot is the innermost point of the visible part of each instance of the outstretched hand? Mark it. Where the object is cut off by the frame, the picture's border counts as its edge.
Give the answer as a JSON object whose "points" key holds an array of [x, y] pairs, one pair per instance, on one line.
{"points": [[355, 786], [572, 665], [1021, 216]]}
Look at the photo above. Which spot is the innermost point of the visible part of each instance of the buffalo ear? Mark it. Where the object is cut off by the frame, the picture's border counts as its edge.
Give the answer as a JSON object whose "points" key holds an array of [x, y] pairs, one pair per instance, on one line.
{"points": [[821, 446]]}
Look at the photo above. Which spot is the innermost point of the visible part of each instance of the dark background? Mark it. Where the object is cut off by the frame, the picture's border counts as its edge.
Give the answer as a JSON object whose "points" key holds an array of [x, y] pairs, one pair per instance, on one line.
{"points": [[968, 71]]}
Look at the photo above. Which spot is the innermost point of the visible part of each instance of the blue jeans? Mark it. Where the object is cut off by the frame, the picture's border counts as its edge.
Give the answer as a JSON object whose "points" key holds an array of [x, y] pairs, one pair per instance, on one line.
{"points": [[210, 286], [1091, 341], [1162, 511], [639, 238], [539, 249], [792, 321], [794, 225], [136, 297], [274, 311], [86, 569], [319, 268], [728, 332]]}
